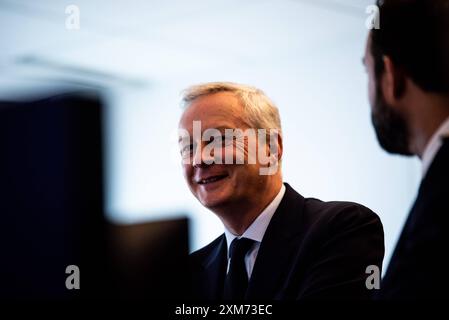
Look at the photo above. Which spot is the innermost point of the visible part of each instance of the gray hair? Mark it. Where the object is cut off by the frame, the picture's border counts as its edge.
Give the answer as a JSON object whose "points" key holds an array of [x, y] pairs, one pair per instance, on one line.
{"points": [[259, 111]]}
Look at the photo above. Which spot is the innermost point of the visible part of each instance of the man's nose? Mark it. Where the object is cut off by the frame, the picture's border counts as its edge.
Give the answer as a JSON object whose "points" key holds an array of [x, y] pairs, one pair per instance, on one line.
{"points": [[201, 158]]}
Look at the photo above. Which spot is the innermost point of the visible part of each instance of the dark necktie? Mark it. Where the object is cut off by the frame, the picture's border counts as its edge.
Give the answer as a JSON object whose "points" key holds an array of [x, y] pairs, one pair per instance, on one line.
{"points": [[236, 280]]}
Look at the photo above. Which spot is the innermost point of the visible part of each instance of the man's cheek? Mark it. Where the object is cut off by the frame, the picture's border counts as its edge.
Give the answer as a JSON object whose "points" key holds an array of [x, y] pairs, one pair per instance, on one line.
{"points": [[240, 152], [187, 173]]}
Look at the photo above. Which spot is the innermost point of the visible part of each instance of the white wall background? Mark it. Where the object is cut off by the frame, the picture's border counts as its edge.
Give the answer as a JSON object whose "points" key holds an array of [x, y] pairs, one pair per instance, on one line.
{"points": [[306, 55]]}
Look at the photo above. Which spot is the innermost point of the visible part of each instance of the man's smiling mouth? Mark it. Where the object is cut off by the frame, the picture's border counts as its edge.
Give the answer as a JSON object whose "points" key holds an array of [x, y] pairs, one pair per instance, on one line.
{"points": [[212, 179]]}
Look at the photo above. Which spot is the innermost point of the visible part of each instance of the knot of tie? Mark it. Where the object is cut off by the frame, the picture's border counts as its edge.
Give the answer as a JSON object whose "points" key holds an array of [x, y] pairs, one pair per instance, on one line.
{"points": [[236, 281], [239, 247]]}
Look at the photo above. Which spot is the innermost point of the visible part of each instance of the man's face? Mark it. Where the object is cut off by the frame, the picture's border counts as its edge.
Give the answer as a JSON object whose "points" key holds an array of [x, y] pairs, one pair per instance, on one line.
{"points": [[389, 125], [216, 185]]}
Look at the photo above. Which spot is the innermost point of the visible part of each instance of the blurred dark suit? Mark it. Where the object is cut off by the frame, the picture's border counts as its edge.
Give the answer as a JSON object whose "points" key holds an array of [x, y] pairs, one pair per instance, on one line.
{"points": [[417, 267]]}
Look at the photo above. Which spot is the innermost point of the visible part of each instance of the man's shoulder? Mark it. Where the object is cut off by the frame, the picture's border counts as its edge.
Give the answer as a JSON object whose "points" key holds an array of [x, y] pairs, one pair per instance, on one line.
{"points": [[339, 214], [201, 254], [316, 210], [324, 209], [340, 209], [311, 217]]}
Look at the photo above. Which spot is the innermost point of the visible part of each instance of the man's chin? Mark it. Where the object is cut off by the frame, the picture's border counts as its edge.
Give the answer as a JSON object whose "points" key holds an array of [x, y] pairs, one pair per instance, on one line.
{"points": [[391, 130], [210, 199], [392, 140], [211, 203]]}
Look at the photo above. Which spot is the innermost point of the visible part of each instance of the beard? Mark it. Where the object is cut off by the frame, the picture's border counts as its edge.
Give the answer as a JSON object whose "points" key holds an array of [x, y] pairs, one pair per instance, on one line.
{"points": [[390, 127]]}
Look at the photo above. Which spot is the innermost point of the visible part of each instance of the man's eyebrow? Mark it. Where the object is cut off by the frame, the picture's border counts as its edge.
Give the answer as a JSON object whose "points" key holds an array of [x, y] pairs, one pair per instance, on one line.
{"points": [[222, 128], [181, 138]]}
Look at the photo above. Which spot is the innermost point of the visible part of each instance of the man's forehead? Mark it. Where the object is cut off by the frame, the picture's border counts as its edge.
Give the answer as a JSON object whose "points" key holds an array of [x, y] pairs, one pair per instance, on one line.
{"points": [[368, 46], [226, 114], [220, 124], [367, 57], [214, 104]]}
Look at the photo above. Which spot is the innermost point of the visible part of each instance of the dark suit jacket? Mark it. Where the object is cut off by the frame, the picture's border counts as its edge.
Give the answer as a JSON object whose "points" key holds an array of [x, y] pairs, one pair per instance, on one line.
{"points": [[311, 250], [418, 266]]}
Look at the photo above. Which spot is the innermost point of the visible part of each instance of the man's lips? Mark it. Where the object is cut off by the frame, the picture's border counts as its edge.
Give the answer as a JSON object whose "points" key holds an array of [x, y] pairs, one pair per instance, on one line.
{"points": [[211, 179]]}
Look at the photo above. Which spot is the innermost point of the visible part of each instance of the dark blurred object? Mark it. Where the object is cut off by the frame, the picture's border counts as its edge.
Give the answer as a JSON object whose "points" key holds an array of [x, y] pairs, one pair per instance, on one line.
{"points": [[51, 191], [51, 206], [150, 259]]}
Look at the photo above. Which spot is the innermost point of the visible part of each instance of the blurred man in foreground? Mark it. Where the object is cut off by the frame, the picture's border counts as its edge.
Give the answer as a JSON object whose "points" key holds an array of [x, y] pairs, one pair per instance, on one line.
{"points": [[407, 61]]}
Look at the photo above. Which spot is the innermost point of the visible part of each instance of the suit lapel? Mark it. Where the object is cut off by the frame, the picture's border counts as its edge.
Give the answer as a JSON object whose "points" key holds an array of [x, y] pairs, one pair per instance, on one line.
{"points": [[275, 249], [436, 177], [214, 269]]}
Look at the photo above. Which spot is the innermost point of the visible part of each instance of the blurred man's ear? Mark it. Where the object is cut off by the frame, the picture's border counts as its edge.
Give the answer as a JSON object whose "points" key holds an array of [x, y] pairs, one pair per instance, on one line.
{"points": [[392, 82]]}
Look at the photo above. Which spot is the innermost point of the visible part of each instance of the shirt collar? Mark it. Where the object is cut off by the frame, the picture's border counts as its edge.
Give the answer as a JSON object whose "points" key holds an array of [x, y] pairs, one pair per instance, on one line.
{"points": [[434, 145], [257, 229]]}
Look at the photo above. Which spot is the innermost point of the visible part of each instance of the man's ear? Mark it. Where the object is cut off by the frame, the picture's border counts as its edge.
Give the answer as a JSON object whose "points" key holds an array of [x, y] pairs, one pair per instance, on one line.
{"points": [[278, 148], [392, 81]]}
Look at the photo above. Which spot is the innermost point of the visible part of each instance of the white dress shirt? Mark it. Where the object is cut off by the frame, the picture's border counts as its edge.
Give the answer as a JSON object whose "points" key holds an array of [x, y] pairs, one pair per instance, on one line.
{"points": [[256, 231], [434, 145]]}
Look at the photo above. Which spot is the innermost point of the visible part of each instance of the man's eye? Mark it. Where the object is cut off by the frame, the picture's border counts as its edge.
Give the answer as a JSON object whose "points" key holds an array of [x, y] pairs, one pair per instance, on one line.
{"points": [[187, 150], [228, 141], [220, 141], [216, 142]]}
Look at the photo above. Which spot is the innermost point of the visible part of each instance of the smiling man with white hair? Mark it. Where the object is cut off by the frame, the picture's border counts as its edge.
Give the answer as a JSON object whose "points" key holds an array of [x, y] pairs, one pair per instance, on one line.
{"points": [[277, 244]]}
